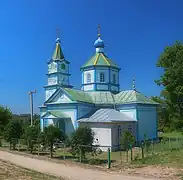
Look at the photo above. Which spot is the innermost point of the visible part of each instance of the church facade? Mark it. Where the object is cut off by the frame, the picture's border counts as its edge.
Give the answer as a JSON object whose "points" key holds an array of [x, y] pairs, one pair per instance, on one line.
{"points": [[99, 103]]}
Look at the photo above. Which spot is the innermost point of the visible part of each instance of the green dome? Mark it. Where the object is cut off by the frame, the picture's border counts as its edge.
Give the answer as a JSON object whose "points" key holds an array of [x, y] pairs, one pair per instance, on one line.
{"points": [[99, 59]]}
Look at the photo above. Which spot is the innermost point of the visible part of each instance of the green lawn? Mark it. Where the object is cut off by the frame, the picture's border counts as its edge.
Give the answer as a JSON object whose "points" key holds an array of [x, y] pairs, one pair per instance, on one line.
{"points": [[172, 135], [169, 158]]}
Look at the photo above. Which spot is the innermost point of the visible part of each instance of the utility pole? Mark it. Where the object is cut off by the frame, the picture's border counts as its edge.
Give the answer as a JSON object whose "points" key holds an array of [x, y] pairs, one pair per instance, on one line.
{"points": [[31, 104]]}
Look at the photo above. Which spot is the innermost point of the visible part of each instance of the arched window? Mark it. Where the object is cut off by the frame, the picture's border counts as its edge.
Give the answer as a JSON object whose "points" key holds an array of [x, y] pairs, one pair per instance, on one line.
{"points": [[102, 77], [88, 78], [114, 78], [62, 66]]}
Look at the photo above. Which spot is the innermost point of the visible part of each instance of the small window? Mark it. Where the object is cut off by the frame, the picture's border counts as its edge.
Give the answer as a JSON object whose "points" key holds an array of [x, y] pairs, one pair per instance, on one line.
{"points": [[130, 128], [88, 78], [62, 66], [102, 78], [114, 78]]}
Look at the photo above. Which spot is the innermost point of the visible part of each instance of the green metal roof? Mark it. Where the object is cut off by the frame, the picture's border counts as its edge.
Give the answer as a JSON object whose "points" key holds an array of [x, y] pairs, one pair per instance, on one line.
{"points": [[132, 96], [58, 54], [106, 97], [78, 95], [57, 114], [99, 59]]}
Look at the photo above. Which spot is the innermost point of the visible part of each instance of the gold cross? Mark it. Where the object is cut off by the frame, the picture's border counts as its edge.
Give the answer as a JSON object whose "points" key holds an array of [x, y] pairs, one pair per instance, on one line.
{"points": [[99, 30], [58, 33]]}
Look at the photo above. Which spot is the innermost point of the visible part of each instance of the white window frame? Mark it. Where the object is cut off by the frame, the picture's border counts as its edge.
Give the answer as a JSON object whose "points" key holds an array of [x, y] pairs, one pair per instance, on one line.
{"points": [[102, 77], [88, 77]]}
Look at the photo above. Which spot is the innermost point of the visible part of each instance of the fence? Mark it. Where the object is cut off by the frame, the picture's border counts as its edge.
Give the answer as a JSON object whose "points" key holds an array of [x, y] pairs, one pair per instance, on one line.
{"points": [[94, 154]]}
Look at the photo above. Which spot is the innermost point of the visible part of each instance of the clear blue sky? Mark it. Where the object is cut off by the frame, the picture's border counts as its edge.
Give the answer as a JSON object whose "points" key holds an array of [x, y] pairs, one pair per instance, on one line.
{"points": [[135, 33]]}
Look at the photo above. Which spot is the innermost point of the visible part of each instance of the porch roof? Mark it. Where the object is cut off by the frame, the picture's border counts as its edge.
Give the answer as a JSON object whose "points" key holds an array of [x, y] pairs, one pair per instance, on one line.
{"points": [[55, 114]]}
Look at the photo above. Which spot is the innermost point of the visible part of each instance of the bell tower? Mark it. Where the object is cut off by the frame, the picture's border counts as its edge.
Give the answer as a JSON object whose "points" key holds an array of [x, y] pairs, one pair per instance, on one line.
{"points": [[58, 71]]}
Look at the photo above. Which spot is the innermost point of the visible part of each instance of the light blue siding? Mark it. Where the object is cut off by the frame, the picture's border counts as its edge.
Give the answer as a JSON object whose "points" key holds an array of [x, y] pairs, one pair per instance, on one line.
{"points": [[147, 122], [83, 110]]}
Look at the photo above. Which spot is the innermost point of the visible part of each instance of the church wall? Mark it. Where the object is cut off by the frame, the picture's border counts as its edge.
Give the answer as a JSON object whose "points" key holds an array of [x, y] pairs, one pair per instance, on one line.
{"points": [[147, 122], [83, 110], [88, 87], [66, 70], [92, 73], [63, 79], [114, 88], [102, 87], [106, 74], [70, 125], [62, 99], [102, 133], [130, 112], [49, 92], [116, 73], [117, 132], [52, 67], [52, 79]]}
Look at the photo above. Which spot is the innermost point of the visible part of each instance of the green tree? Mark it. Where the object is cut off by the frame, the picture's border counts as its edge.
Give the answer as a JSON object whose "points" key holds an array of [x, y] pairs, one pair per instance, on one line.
{"points": [[5, 116], [171, 62], [31, 136], [81, 142], [127, 141], [52, 134], [164, 120], [12, 133]]}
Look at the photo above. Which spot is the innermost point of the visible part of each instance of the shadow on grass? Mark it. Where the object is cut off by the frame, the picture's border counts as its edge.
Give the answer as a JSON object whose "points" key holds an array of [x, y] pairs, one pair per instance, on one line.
{"points": [[62, 157], [96, 161]]}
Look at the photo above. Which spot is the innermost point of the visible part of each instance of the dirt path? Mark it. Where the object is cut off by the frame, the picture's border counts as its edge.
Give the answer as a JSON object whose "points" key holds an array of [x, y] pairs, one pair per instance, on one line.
{"points": [[62, 170]]}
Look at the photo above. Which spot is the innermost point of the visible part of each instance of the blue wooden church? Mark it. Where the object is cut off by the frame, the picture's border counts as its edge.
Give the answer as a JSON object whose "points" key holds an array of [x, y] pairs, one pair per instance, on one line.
{"points": [[99, 103]]}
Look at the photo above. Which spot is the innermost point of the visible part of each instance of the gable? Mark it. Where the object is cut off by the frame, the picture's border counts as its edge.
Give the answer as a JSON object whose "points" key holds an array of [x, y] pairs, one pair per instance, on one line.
{"points": [[48, 115], [60, 96]]}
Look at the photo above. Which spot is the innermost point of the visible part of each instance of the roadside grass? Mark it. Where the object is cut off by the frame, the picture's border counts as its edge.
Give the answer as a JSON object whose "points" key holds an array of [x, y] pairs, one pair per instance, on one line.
{"points": [[172, 158]]}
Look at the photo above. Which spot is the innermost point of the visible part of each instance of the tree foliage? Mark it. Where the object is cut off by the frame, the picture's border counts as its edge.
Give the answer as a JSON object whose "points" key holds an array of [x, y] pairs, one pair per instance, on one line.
{"points": [[5, 116], [163, 114], [12, 132], [126, 140], [82, 140], [171, 62], [52, 134], [31, 135]]}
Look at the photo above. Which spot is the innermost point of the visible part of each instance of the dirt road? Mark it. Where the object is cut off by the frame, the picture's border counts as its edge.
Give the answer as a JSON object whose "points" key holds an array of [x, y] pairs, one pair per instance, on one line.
{"points": [[62, 170]]}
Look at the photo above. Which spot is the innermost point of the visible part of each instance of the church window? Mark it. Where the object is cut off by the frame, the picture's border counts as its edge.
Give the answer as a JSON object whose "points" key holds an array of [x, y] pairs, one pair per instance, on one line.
{"points": [[130, 128], [114, 78], [102, 78], [88, 78], [63, 66]]}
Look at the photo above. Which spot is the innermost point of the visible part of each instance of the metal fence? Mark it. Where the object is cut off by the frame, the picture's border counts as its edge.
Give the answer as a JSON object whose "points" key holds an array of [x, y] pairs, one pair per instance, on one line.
{"points": [[95, 154]]}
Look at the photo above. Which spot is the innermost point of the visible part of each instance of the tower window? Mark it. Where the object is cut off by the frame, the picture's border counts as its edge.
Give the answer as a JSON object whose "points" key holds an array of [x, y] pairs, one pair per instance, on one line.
{"points": [[114, 78], [63, 66], [102, 77], [88, 78]]}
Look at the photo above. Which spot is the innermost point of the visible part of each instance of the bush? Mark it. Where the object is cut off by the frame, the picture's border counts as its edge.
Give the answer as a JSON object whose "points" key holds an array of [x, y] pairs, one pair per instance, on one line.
{"points": [[81, 142], [95, 161], [12, 133]]}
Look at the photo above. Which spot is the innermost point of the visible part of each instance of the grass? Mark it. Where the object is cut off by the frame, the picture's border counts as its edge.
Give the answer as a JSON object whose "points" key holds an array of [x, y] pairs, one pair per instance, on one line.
{"points": [[172, 135], [10, 171], [167, 152], [172, 158]]}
